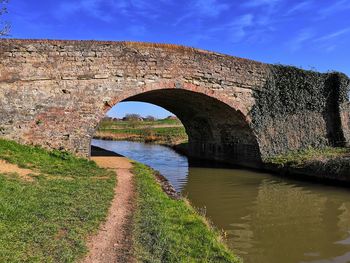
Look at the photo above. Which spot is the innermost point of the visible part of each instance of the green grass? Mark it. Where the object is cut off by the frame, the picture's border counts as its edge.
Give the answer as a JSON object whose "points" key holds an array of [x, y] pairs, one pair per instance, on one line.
{"points": [[299, 158], [120, 124], [147, 131], [167, 230], [158, 131], [48, 219]]}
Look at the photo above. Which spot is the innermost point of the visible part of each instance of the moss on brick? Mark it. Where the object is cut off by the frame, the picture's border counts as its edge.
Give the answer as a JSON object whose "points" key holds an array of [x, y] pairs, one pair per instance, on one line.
{"points": [[312, 96], [283, 86]]}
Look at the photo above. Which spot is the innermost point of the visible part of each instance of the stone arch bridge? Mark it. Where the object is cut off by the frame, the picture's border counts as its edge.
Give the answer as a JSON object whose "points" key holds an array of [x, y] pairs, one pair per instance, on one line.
{"points": [[54, 94]]}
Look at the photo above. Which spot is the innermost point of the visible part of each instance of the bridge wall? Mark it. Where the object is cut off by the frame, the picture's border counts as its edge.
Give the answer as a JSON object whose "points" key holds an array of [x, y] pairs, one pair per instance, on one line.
{"points": [[344, 101], [298, 109], [54, 93]]}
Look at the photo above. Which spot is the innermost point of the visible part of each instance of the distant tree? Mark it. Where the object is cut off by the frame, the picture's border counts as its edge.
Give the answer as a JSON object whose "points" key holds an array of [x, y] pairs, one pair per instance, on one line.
{"points": [[171, 117], [4, 26], [149, 118], [132, 117]]}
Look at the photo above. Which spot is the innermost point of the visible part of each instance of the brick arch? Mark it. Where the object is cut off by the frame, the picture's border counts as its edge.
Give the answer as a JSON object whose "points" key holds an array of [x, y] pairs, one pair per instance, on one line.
{"points": [[216, 130]]}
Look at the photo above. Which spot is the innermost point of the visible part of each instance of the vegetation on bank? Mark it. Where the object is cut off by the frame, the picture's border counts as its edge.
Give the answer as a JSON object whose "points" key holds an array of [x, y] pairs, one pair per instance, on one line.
{"points": [[302, 157], [133, 123], [165, 131], [168, 230], [48, 218]]}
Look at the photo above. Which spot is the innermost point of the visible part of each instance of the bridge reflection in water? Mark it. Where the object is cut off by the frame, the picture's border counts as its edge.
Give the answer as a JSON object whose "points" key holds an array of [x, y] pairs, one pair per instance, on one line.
{"points": [[267, 219]]}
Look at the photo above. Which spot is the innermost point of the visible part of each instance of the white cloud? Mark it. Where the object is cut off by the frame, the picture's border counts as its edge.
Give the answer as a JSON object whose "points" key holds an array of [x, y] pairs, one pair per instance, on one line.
{"points": [[299, 41], [302, 6], [209, 8], [330, 42], [333, 35], [237, 29], [90, 7], [201, 9], [327, 42], [243, 21], [334, 7], [240, 27], [106, 10], [259, 3]]}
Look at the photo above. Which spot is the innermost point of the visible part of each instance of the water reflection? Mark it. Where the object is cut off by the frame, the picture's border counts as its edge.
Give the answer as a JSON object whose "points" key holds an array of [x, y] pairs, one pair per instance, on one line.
{"points": [[163, 159], [266, 218]]}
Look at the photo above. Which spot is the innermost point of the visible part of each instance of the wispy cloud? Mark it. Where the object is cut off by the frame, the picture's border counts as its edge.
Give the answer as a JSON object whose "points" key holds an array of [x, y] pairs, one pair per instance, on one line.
{"points": [[308, 38], [211, 8], [237, 29], [240, 26], [122, 6], [302, 6], [301, 39], [200, 9], [334, 7], [267, 13], [90, 7], [331, 36], [107, 10], [259, 3], [257, 20], [144, 8], [331, 41]]}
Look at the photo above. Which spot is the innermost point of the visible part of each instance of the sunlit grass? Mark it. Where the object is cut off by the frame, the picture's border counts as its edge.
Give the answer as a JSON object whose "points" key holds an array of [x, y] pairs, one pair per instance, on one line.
{"points": [[49, 218], [147, 131], [299, 158], [168, 230]]}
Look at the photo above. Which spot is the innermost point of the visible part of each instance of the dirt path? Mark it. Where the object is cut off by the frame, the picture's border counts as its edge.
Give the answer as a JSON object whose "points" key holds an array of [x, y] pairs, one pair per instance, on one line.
{"points": [[112, 243]]}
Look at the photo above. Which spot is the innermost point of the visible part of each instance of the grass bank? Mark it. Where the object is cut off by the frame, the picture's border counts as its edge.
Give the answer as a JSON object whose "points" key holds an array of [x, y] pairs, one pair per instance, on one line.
{"points": [[168, 230], [300, 158], [328, 163], [167, 131], [47, 218]]}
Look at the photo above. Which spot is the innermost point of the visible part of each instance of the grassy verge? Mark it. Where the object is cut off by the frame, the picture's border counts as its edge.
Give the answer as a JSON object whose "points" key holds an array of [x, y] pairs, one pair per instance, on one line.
{"points": [[48, 219], [168, 230], [167, 132], [300, 158]]}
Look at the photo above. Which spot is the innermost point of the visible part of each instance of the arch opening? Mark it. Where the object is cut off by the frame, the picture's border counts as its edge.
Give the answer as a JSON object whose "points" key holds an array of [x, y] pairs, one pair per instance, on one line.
{"points": [[215, 130]]}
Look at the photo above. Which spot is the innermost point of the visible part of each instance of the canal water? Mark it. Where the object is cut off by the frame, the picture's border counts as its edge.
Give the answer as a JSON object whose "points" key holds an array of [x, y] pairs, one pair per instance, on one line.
{"points": [[267, 219]]}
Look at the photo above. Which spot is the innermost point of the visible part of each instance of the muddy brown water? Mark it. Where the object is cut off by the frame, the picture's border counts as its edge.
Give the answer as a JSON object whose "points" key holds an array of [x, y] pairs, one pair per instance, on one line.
{"points": [[266, 218]]}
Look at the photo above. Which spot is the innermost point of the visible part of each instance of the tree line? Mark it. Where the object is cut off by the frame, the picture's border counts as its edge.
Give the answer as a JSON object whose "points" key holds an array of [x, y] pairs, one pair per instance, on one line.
{"points": [[136, 117]]}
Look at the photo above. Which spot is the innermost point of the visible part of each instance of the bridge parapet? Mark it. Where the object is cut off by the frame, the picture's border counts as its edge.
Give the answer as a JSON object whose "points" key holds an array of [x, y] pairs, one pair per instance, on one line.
{"points": [[54, 93]]}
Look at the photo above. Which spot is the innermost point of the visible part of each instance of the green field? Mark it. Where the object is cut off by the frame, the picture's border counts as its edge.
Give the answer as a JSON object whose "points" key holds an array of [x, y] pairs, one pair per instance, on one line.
{"points": [[47, 218], [105, 123], [165, 131]]}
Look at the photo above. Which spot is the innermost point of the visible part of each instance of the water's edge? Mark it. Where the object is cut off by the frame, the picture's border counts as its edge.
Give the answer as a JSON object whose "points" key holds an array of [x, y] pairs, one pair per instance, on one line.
{"points": [[167, 187], [329, 173]]}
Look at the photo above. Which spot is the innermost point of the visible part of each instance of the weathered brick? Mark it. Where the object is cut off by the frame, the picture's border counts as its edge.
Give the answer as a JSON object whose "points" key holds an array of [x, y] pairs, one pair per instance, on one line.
{"points": [[54, 93]]}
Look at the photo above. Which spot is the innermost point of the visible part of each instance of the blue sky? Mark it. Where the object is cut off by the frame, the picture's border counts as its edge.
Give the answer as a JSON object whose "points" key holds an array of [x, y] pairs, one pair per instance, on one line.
{"points": [[309, 34]]}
